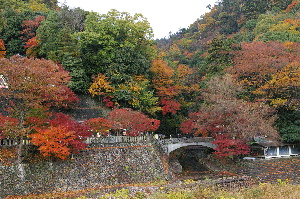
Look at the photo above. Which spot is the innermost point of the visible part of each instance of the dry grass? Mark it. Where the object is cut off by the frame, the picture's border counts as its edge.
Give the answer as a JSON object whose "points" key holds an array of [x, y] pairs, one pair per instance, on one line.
{"points": [[281, 190]]}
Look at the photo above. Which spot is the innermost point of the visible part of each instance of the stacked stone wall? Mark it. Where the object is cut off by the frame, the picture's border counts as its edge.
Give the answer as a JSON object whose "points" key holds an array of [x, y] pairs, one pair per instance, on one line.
{"points": [[99, 165]]}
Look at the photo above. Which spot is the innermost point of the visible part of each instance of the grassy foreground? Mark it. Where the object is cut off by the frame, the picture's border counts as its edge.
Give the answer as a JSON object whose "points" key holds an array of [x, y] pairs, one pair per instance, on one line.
{"points": [[262, 191], [281, 190]]}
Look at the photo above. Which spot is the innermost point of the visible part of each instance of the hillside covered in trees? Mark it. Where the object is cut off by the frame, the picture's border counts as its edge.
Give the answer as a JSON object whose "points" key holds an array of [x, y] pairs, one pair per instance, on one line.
{"points": [[234, 74]]}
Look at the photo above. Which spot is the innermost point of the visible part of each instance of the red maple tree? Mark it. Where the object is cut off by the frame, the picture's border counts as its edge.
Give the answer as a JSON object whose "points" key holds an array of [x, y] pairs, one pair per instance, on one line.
{"points": [[228, 147], [224, 113], [30, 27], [99, 125], [169, 106], [33, 86], [135, 122], [7, 126], [60, 137]]}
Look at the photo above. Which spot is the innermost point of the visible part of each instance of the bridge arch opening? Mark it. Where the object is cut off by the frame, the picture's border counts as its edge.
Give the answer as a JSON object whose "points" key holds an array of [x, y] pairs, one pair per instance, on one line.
{"points": [[189, 159]]}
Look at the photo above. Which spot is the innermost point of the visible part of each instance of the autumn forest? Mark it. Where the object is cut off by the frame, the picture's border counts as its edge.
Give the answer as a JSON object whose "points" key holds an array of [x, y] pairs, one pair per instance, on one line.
{"points": [[233, 74]]}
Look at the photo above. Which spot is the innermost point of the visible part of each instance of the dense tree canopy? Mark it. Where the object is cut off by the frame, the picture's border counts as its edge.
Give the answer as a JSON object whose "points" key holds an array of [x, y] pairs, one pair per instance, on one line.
{"points": [[224, 113], [33, 84], [234, 71], [134, 122], [117, 45]]}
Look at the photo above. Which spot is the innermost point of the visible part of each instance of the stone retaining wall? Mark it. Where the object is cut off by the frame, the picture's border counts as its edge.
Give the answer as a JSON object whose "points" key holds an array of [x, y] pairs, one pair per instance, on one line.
{"points": [[99, 165]]}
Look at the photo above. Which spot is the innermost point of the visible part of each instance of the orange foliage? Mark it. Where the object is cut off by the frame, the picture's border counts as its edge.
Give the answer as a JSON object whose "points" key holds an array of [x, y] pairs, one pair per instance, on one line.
{"points": [[184, 70], [294, 22], [256, 61], [184, 81], [292, 5], [53, 141], [163, 73], [29, 35], [31, 46], [31, 43], [36, 83], [2, 49], [168, 92], [171, 82], [188, 54]]}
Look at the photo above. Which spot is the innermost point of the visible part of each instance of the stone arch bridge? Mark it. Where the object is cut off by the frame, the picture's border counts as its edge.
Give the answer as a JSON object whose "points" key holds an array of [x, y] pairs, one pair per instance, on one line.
{"points": [[172, 144], [168, 145]]}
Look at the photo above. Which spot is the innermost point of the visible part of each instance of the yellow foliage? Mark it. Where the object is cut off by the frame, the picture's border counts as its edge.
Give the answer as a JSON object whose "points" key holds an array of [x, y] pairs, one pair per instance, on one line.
{"points": [[100, 86], [162, 69], [259, 92], [278, 102], [289, 45], [174, 48], [38, 5], [210, 20], [288, 77], [184, 42], [287, 25], [282, 88], [281, 27], [202, 27], [184, 70]]}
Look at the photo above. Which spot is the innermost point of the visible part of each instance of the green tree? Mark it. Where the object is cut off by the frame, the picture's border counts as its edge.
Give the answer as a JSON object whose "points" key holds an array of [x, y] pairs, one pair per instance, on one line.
{"points": [[288, 124], [117, 45], [219, 56], [253, 8], [58, 42], [11, 32], [136, 93], [14, 5], [140, 96], [51, 4], [56, 33], [50, 34], [230, 15]]}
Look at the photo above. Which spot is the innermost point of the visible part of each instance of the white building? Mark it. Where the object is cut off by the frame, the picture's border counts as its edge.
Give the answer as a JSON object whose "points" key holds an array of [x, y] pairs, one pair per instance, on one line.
{"points": [[3, 83], [263, 148]]}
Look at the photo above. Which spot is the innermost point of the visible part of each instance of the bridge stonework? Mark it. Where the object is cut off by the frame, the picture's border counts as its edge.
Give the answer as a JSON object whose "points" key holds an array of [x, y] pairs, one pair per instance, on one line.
{"points": [[106, 161], [172, 144]]}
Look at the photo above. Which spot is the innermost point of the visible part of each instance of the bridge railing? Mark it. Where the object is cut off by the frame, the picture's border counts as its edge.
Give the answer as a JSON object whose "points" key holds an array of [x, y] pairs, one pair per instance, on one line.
{"points": [[118, 139], [186, 140], [14, 142], [90, 140]]}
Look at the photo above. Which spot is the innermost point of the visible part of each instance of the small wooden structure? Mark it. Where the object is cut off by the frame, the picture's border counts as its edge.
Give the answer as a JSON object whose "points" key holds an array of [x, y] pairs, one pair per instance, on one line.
{"points": [[263, 148]]}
